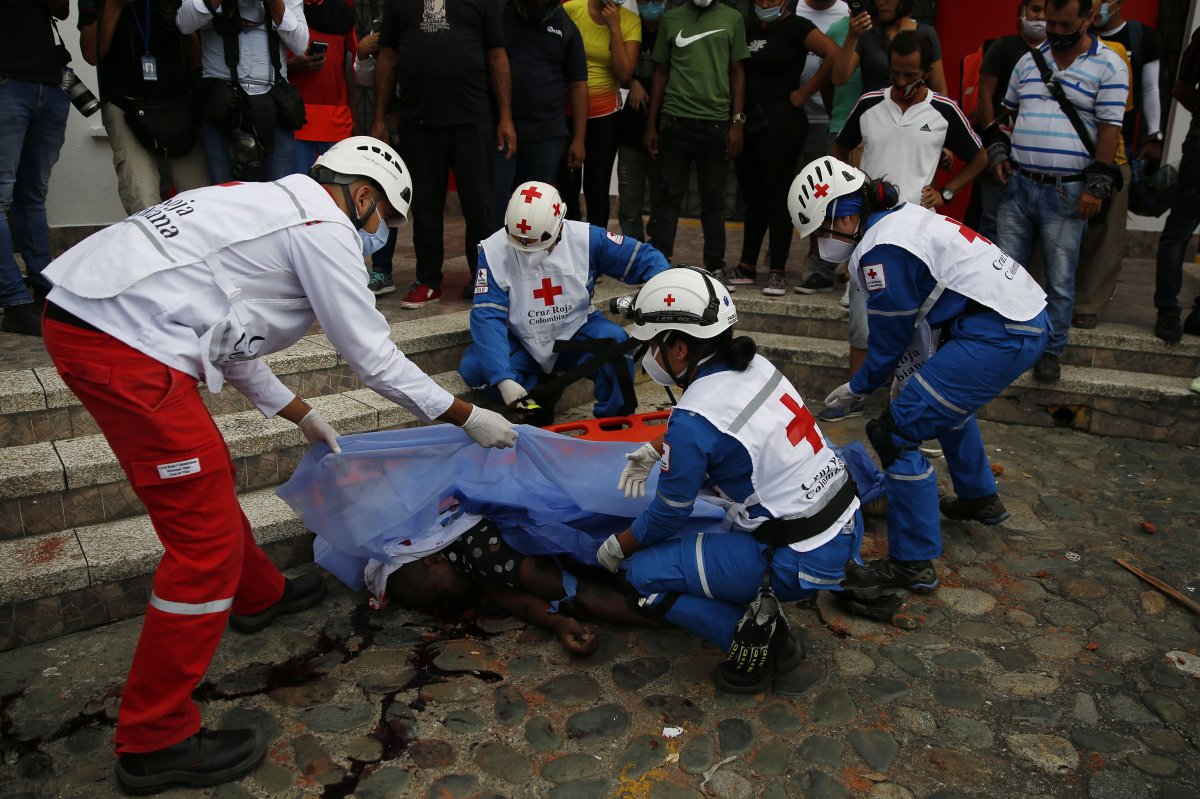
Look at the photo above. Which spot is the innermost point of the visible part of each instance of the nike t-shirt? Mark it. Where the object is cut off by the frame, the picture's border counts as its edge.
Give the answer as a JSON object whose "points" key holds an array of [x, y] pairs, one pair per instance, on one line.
{"points": [[699, 44]]}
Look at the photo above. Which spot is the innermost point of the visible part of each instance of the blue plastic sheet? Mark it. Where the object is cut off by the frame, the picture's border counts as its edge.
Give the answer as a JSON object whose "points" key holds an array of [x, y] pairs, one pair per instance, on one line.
{"points": [[551, 494]]}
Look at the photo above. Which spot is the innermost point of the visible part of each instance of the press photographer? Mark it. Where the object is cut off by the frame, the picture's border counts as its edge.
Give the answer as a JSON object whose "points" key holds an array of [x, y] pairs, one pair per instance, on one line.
{"points": [[145, 87], [248, 110], [33, 122]]}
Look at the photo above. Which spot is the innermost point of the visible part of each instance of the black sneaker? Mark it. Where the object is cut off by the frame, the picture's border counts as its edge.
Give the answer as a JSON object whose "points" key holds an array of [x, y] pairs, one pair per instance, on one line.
{"points": [[914, 575], [785, 654], [210, 757], [299, 593], [1191, 325], [1168, 328], [985, 510], [1047, 370], [24, 319], [815, 284]]}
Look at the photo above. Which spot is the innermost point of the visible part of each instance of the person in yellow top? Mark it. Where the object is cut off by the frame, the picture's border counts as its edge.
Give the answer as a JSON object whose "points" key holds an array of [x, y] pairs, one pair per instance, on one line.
{"points": [[611, 39]]}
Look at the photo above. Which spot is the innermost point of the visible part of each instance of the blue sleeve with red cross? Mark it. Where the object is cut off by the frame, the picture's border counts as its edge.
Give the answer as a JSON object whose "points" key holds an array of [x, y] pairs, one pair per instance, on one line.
{"points": [[623, 257], [489, 324], [694, 454], [897, 283]]}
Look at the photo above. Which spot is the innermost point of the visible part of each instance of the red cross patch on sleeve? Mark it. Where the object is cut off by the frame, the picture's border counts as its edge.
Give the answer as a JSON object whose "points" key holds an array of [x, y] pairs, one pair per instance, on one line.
{"points": [[664, 463], [615, 238], [873, 277], [481, 281]]}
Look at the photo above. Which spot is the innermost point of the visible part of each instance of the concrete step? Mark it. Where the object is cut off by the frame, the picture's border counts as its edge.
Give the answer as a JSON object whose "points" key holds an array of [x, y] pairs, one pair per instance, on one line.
{"points": [[59, 485], [78, 577], [1122, 347], [1108, 402], [36, 406]]}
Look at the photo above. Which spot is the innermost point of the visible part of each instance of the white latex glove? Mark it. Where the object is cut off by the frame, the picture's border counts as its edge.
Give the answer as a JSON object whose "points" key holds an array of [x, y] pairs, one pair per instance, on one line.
{"points": [[511, 391], [315, 429], [489, 429], [610, 554], [842, 397], [637, 470]]}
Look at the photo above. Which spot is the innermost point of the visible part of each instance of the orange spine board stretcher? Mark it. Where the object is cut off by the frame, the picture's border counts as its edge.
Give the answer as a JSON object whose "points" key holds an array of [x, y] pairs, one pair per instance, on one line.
{"points": [[638, 427]]}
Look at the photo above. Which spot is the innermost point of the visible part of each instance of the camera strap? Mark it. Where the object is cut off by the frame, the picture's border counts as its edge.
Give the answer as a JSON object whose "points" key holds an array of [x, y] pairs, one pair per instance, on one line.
{"points": [[63, 53]]}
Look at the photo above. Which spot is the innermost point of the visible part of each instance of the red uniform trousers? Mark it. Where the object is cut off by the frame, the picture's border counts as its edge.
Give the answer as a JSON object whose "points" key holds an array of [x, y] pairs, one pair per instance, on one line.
{"points": [[177, 461]]}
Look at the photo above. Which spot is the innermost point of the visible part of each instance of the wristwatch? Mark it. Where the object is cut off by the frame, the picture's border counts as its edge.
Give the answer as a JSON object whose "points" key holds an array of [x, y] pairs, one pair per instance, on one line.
{"points": [[1156, 137], [739, 119], [947, 195]]}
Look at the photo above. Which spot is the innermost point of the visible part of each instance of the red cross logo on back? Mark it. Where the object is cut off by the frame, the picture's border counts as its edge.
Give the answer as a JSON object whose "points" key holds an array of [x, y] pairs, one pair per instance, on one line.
{"points": [[547, 292], [530, 194], [820, 190], [524, 226], [803, 426], [669, 300]]}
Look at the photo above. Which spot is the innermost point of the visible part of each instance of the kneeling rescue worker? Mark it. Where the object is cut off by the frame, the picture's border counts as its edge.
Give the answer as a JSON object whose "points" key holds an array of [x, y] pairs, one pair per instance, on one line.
{"points": [[741, 438], [927, 278], [199, 288]]}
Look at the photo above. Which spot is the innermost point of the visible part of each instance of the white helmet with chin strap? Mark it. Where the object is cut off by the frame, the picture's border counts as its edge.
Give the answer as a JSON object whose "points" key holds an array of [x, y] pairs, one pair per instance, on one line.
{"points": [[819, 184], [367, 157], [686, 299], [534, 217]]}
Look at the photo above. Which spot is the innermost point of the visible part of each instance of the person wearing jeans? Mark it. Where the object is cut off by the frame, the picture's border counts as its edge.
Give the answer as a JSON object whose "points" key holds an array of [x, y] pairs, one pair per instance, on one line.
{"points": [[1185, 211], [33, 122], [696, 116], [1053, 182]]}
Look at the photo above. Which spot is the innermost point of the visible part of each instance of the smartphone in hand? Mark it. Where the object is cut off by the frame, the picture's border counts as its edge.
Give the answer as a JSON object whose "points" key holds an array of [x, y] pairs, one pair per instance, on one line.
{"points": [[317, 48], [857, 7]]}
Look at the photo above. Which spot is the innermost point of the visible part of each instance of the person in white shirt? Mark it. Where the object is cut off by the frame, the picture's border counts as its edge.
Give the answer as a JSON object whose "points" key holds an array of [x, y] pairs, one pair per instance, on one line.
{"points": [[200, 287], [257, 26]]}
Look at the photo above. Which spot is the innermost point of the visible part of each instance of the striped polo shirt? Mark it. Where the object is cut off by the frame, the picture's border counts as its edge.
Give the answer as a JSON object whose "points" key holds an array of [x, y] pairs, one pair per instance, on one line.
{"points": [[1043, 140]]}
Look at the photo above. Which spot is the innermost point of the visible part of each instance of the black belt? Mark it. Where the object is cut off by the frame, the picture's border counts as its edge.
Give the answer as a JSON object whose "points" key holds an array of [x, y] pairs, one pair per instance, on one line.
{"points": [[782, 532], [1043, 178], [67, 318]]}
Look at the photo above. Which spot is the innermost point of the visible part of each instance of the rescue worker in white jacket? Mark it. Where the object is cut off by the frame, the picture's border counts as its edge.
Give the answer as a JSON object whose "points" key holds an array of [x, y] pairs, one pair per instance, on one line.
{"points": [[199, 288], [740, 437], [534, 289]]}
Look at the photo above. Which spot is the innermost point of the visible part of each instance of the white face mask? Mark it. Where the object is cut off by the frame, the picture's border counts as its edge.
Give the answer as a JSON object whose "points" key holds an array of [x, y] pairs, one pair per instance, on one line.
{"points": [[655, 370], [834, 250], [1033, 29]]}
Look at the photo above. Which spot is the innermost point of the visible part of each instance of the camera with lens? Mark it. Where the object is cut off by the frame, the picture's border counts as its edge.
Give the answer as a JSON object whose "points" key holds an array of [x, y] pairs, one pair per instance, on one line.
{"points": [[81, 96], [621, 306], [247, 155]]}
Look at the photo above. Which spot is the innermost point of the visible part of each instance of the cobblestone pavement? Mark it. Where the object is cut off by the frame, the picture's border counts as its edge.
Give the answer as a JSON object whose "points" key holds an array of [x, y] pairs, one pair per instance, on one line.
{"points": [[1040, 669]]}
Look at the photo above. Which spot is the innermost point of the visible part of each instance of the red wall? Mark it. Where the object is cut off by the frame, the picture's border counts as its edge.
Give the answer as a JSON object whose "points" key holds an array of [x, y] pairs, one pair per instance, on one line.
{"points": [[963, 25]]}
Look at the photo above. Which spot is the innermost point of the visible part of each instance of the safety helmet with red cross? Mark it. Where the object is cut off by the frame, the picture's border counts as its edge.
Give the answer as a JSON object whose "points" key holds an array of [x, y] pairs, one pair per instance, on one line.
{"points": [[683, 298], [534, 217], [819, 185]]}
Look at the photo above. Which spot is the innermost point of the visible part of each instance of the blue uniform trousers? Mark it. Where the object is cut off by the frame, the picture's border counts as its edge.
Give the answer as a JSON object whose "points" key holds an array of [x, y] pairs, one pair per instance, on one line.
{"points": [[984, 355], [704, 581], [609, 401]]}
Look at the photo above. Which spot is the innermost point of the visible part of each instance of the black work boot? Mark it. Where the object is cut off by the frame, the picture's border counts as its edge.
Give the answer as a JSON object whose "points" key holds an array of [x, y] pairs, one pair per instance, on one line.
{"points": [[299, 593], [1047, 369], [912, 575], [1168, 328], [1191, 325], [785, 652], [985, 510], [210, 757], [24, 319]]}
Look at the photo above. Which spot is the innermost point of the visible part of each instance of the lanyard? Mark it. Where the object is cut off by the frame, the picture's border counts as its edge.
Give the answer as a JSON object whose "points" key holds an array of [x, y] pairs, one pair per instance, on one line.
{"points": [[137, 23]]}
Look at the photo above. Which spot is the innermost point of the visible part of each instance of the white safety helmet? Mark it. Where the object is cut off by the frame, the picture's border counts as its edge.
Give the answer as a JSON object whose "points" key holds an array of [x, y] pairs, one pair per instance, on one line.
{"points": [[534, 216], [683, 298], [818, 184], [368, 157]]}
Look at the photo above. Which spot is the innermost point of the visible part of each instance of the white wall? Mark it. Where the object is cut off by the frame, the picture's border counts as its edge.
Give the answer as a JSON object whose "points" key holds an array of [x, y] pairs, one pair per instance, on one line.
{"points": [[83, 186]]}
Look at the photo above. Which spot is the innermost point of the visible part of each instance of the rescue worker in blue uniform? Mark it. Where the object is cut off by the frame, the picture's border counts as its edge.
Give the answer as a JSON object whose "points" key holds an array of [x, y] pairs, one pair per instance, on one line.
{"points": [[534, 288], [741, 438], [927, 278]]}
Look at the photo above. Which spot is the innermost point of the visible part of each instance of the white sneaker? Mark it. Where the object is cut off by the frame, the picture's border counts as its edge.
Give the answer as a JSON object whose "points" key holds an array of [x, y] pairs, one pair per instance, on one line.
{"points": [[845, 300]]}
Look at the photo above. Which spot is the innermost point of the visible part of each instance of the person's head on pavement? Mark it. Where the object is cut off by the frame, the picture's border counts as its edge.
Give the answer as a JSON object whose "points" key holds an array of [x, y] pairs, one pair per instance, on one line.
{"points": [[369, 182], [534, 218], [911, 59], [687, 318], [835, 201]]}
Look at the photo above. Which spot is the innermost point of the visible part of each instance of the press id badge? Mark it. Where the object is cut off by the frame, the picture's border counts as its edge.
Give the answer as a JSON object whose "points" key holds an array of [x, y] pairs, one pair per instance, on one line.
{"points": [[149, 68]]}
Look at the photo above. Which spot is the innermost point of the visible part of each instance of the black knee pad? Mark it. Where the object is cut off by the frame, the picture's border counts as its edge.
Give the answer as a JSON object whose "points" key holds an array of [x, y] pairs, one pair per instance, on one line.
{"points": [[879, 433]]}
